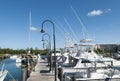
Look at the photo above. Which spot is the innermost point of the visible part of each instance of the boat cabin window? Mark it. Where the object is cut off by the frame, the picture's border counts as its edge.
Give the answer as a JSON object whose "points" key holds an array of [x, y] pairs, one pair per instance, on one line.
{"points": [[89, 51], [56, 51], [85, 61]]}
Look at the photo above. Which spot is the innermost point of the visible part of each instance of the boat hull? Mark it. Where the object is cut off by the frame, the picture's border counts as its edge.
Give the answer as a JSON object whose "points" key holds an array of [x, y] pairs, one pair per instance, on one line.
{"points": [[3, 75], [107, 79]]}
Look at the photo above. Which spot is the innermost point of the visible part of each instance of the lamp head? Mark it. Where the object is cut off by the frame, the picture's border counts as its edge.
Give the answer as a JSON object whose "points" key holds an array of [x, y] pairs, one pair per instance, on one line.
{"points": [[42, 39], [42, 31], [75, 44]]}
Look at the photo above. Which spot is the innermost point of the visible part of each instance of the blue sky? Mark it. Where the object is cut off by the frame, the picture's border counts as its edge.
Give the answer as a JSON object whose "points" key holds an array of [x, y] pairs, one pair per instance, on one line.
{"points": [[100, 18]]}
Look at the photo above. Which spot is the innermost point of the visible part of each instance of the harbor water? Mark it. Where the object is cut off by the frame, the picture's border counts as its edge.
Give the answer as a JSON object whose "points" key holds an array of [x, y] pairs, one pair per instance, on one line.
{"points": [[14, 70]]}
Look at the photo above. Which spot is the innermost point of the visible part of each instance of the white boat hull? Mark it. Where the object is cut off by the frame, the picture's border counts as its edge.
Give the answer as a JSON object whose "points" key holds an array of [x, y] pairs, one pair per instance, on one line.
{"points": [[3, 75], [18, 60]]}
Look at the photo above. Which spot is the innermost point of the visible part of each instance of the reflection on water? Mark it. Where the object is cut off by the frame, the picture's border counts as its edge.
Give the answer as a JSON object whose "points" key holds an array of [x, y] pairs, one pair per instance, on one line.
{"points": [[14, 70]]}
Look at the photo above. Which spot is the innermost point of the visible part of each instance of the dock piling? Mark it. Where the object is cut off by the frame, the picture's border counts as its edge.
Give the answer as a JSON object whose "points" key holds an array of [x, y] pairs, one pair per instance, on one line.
{"points": [[23, 75]]}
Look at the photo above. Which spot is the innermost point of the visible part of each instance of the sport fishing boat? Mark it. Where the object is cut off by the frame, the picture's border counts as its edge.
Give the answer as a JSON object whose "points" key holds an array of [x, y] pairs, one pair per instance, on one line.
{"points": [[89, 66]]}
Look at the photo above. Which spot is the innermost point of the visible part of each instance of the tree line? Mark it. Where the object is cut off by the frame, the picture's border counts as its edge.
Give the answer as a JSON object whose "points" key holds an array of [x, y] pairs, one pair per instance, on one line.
{"points": [[21, 51]]}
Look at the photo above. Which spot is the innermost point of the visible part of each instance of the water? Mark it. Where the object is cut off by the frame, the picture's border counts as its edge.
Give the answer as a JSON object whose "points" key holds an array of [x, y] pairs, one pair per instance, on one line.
{"points": [[14, 70]]}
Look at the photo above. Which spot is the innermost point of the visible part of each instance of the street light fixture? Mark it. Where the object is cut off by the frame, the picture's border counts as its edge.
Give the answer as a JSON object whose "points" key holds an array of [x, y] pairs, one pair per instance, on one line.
{"points": [[42, 31], [46, 34], [54, 42], [49, 57]]}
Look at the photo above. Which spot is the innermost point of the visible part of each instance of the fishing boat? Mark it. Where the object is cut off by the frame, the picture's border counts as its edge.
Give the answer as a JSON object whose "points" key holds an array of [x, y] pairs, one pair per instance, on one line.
{"points": [[87, 65], [3, 73], [99, 75]]}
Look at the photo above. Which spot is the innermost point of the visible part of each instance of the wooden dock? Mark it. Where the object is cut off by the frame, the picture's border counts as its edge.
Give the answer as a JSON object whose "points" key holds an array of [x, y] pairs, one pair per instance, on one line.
{"points": [[41, 72]]}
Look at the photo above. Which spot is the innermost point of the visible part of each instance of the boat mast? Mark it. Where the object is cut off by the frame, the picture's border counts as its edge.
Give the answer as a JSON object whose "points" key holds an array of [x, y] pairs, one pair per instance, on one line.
{"points": [[29, 32]]}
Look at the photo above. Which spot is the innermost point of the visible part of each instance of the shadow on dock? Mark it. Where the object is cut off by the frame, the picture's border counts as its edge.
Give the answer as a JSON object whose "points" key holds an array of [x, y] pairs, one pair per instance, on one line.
{"points": [[43, 62], [45, 71]]}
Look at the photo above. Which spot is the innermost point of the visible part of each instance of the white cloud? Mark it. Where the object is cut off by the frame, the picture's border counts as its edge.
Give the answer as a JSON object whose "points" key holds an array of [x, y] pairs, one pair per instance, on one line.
{"points": [[95, 13], [33, 29], [98, 12]]}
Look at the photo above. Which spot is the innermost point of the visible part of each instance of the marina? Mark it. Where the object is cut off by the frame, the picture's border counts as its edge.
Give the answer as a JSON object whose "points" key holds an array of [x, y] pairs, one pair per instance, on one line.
{"points": [[42, 70], [59, 40]]}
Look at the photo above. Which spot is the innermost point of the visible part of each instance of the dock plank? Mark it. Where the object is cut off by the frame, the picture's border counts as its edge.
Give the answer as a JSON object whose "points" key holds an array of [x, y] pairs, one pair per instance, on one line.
{"points": [[41, 72]]}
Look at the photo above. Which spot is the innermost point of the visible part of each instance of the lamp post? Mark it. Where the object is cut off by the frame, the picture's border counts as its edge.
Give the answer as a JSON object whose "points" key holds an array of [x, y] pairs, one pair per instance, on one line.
{"points": [[49, 57], [45, 43], [49, 39], [54, 42]]}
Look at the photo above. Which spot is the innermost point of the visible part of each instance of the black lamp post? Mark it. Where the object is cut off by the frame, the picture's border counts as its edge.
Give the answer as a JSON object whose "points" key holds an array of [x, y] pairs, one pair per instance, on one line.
{"points": [[49, 39], [49, 56], [45, 43], [54, 42]]}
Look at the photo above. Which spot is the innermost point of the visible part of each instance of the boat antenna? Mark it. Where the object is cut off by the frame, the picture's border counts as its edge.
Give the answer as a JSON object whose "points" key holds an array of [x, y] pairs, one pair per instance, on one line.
{"points": [[59, 25], [67, 36], [70, 28], [81, 23]]}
